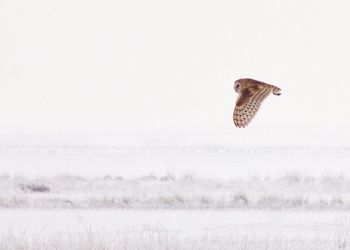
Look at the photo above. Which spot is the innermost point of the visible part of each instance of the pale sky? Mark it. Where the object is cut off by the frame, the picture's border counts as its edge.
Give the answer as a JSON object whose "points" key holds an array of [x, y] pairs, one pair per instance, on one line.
{"points": [[73, 65]]}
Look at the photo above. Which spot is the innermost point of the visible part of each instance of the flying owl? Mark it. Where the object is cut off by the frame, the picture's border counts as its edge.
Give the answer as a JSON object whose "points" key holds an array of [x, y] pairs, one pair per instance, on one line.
{"points": [[251, 94]]}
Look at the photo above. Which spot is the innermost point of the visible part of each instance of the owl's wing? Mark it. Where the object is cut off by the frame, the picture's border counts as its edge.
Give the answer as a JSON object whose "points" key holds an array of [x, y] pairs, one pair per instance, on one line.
{"points": [[248, 103]]}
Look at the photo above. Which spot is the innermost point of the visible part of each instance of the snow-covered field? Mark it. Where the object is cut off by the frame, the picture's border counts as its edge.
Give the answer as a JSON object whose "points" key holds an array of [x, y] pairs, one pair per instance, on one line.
{"points": [[168, 192], [173, 229], [221, 162], [88, 196]]}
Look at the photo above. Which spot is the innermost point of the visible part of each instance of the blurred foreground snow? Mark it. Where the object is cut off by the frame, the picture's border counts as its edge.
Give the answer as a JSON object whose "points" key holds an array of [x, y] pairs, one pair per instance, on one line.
{"points": [[180, 229], [206, 195]]}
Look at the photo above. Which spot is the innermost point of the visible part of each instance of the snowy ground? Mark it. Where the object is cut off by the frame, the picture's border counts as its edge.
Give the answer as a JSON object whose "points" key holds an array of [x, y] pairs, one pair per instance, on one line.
{"points": [[168, 192], [222, 162], [81, 196], [173, 229]]}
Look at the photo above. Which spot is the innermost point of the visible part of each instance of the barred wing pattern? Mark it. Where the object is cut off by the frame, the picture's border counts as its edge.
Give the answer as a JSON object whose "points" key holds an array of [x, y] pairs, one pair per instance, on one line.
{"points": [[248, 103]]}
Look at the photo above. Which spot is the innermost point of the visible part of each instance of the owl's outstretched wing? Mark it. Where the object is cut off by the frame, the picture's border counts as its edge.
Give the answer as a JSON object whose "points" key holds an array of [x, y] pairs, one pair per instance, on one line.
{"points": [[248, 103]]}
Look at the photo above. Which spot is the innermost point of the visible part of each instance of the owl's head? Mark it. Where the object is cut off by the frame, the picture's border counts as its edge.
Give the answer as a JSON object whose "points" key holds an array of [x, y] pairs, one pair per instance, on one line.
{"points": [[238, 85]]}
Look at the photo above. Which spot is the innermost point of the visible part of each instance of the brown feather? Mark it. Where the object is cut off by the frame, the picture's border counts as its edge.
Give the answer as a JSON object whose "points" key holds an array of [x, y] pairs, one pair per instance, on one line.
{"points": [[252, 94]]}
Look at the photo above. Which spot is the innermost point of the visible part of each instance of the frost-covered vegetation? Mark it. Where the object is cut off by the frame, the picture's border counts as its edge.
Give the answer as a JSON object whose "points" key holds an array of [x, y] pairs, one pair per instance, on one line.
{"points": [[288, 192], [160, 240], [89, 197]]}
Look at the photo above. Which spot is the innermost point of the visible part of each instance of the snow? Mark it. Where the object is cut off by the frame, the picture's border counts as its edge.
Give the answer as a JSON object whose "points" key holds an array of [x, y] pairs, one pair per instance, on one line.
{"points": [[168, 192], [210, 196], [225, 162], [260, 223], [223, 226]]}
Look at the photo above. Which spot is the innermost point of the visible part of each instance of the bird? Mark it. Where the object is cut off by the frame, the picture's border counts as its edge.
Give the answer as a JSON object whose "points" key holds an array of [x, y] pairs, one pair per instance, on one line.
{"points": [[251, 94]]}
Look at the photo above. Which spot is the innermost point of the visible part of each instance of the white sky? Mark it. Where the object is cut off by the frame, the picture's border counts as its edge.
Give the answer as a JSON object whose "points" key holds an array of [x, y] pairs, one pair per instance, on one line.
{"points": [[74, 65]]}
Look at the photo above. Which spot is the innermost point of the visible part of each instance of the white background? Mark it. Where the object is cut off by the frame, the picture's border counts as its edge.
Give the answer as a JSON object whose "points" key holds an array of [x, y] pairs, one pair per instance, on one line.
{"points": [[106, 66]]}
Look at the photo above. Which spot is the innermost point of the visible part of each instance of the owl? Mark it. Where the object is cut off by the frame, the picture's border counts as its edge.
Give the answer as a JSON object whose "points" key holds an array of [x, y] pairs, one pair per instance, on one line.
{"points": [[251, 94]]}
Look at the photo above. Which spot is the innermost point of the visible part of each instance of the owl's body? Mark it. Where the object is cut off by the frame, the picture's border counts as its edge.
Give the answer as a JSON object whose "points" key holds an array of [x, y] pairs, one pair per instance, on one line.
{"points": [[251, 94]]}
